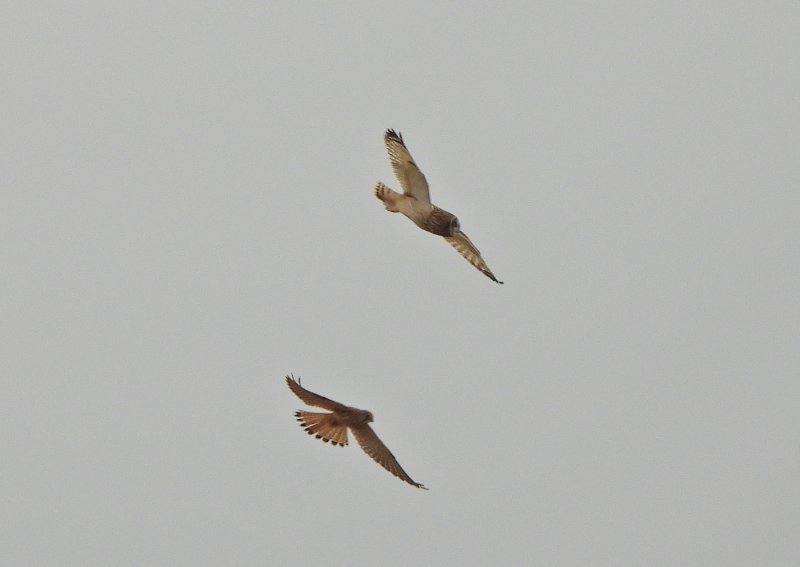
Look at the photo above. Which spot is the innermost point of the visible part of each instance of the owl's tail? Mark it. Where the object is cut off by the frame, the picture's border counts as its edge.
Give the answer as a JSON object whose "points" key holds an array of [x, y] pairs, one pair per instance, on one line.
{"points": [[323, 426]]}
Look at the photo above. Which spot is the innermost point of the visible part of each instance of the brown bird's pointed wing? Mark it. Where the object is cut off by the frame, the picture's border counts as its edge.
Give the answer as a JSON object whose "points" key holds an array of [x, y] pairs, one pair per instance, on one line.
{"points": [[408, 174], [375, 448], [467, 249], [311, 398]]}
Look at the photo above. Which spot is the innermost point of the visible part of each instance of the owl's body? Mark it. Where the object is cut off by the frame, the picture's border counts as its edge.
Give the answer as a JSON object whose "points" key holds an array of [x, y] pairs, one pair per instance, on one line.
{"points": [[425, 215], [415, 203]]}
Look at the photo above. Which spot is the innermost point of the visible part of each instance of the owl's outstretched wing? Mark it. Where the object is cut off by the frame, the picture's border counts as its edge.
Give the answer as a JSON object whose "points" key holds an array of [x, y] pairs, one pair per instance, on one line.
{"points": [[467, 249], [408, 174]]}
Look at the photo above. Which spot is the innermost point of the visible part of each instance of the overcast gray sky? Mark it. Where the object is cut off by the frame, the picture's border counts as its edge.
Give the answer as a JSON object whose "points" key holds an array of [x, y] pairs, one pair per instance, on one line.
{"points": [[187, 216]]}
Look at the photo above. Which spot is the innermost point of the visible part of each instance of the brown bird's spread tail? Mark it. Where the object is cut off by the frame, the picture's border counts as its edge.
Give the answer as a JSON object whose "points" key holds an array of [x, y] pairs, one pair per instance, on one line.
{"points": [[323, 426]]}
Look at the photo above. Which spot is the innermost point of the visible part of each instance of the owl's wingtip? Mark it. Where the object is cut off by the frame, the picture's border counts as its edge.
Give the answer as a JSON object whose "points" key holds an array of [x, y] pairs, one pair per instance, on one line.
{"points": [[391, 133], [492, 277]]}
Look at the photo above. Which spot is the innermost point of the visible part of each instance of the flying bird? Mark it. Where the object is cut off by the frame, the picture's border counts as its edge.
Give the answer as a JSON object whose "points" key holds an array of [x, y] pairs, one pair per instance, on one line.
{"points": [[415, 203], [332, 427]]}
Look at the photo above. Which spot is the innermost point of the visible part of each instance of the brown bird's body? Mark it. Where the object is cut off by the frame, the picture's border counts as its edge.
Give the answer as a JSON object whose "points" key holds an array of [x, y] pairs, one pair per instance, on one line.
{"points": [[332, 427], [415, 203]]}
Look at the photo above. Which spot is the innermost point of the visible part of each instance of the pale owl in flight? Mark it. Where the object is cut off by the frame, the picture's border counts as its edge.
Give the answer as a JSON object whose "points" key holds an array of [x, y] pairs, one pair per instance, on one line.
{"points": [[332, 427], [415, 203]]}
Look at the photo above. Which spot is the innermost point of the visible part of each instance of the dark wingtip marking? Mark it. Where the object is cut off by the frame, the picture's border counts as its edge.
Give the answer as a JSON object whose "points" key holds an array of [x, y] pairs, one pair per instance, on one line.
{"points": [[396, 135], [492, 277]]}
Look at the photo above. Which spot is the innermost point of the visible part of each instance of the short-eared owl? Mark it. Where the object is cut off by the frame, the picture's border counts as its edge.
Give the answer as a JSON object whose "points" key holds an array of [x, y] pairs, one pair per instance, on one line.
{"points": [[332, 427], [415, 203]]}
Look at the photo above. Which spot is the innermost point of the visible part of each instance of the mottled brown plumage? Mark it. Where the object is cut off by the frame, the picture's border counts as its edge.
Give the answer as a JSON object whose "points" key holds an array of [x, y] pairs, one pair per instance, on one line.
{"points": [[332, 427], [415, 203]]}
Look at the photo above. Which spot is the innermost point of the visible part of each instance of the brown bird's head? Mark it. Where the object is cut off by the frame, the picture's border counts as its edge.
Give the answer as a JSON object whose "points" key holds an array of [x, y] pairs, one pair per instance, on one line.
{"points": [[357, 416]]}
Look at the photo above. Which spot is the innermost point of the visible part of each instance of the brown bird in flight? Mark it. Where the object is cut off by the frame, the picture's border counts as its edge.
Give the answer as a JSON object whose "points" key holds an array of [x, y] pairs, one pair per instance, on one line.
{"points": [[332, 427], [415, 203]]}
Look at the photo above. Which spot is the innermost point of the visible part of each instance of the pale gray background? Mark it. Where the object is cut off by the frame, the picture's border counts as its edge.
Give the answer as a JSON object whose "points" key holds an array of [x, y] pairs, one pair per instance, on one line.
{"points": [[187, 215]]}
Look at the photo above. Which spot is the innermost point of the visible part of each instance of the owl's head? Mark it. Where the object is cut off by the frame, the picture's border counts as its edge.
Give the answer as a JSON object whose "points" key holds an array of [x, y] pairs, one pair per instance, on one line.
{"points": [[455, 227]]}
